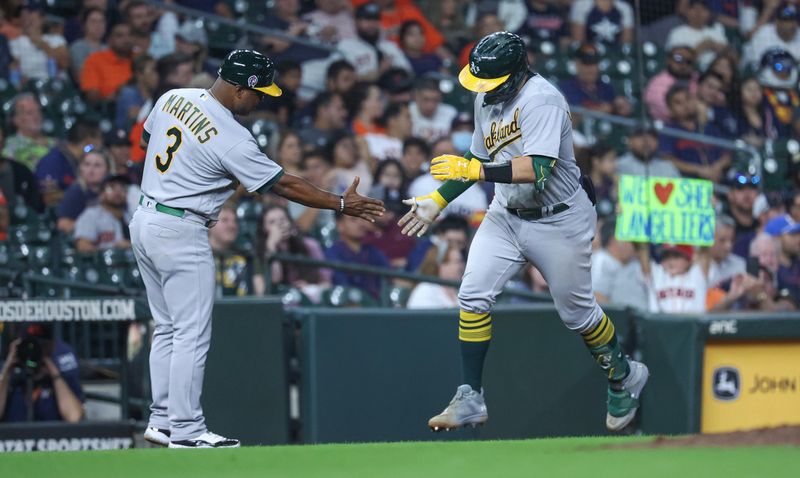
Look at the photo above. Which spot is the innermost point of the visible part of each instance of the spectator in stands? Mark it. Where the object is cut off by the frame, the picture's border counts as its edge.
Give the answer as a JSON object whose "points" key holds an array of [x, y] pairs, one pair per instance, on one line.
{"points": [[412, 42], [788, 234], [447, 264], [6, 60], [748, 293], [742, 193], [40, 55], [284, 107], [289, 152], [397, 84], [430, 118], [680, 67], [105, 71], [778, 75], [370, 53], [675, 285], [461, 130], [17, 183], [28, 144], [725, 65], [315, 168], [603, 171], [136, 93], [394, 14], [416, 154], [397, 123], [452, 231], [765, 248], [719, 262], [57, 170], [286, 18], [40, 380], [191, 40], [692, 158], [781, 33], [340, 78], [351, 250], [712, 105], [105, 225], [348, 164], [588, 90], [234, 269], [546, 21], [366, 104], [175, 70], [792, 205], [330, 116], [119, 151], [94, 167], [140, 17], [601, 21], [487, 23], [616, 272], [707, 38], [277, 233], [750, 113], [642, 158], [94, 29], [449, 16], [331, 22], [390, 185]]}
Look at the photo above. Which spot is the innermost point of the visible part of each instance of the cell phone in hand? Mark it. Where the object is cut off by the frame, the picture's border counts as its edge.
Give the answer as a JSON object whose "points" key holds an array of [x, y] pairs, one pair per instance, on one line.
{"points": [[753, 266]]}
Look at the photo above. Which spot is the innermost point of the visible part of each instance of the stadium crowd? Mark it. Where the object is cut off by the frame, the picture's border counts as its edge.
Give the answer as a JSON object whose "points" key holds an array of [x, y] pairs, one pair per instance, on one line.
{"points": [[370, 92]]}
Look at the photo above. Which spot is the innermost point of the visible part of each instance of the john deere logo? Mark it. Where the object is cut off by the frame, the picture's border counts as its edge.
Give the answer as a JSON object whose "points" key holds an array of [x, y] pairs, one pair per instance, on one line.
{"points": [[252, 81], [726, 384]]}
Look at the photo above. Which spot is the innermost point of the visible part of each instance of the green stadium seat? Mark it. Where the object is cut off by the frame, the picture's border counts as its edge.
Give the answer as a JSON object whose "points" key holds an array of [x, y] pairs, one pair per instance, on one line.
{"points": [[292, 296], [397, 296], [341, 296]]}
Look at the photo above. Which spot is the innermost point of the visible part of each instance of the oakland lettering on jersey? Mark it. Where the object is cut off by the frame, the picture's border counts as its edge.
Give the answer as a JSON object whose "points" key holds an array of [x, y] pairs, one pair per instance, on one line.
{"points": [[500, 133], [190, 115]]}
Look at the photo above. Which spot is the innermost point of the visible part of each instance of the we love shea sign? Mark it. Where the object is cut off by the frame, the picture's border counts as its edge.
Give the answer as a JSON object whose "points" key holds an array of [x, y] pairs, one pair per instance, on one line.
{"points": [[665, 210]]}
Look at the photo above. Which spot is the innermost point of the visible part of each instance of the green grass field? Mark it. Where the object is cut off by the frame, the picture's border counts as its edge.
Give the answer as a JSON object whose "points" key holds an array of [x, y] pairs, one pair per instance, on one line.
{"points": [[567, 457]]}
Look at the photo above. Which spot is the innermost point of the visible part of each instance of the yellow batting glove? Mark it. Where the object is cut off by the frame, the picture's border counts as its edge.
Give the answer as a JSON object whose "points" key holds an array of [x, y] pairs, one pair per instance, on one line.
{"points": [[449, 166]]}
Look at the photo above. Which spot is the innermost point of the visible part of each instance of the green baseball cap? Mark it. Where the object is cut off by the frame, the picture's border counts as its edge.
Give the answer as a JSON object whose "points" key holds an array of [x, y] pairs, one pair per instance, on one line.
{"points": [[250, 69]]}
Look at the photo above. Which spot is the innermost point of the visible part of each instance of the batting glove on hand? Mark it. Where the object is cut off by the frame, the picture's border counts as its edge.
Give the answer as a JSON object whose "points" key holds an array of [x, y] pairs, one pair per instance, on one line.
{"points": [[424, 210], [449, 166]]}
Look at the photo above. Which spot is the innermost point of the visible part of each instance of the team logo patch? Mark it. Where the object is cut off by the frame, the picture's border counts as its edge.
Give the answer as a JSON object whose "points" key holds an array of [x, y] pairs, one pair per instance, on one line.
{"points": [[474, 68], [726, 384], [252, 81]]}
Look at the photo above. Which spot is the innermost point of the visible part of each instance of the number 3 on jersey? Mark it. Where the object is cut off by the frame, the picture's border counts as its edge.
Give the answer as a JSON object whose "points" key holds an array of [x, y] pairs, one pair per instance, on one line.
{"points": [[177, 136]]}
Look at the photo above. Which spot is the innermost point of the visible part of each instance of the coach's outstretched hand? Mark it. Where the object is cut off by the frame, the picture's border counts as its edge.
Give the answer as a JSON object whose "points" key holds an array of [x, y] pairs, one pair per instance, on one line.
{"points": [[424, 210], [360, 206]]}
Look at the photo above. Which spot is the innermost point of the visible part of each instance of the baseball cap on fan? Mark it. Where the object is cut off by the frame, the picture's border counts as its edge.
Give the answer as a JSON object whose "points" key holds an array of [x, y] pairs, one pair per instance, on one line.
{"points": [[684, 250], [368, 11], [781, 225], [788, 11]]}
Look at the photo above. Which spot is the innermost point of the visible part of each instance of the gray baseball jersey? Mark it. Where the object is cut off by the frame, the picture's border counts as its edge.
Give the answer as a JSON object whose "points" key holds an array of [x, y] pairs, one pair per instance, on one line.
{"points": [[197, 151], [536, 122]]}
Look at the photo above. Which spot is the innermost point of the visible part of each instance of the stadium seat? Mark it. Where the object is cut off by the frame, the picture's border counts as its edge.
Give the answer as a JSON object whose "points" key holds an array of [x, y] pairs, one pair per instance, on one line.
{"points": [[397, 296], [341, 296], [292, 296]]}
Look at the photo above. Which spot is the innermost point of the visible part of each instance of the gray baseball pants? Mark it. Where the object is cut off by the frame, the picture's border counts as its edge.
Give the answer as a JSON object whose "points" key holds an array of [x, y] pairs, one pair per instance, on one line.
{"points": [[560, 246], [177, 267]]}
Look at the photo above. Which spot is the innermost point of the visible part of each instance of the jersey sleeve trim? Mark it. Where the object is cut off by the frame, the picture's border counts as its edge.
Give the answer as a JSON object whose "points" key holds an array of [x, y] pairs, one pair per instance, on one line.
{"points": [[145, 136], [266, 185]]}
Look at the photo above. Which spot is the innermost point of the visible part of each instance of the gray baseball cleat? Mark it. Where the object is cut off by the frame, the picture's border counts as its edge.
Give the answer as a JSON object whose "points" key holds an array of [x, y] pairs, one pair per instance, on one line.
{"points": [[466, 408], [624, 401]]}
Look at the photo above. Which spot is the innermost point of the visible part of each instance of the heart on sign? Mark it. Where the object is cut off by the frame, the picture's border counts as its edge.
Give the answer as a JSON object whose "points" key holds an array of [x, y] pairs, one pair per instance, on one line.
{"points": [[664, 192]]}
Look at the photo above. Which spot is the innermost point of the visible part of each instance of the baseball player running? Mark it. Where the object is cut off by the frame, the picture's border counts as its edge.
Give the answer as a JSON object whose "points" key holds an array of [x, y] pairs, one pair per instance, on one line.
{"points": [[196, 154], [540, 214]]}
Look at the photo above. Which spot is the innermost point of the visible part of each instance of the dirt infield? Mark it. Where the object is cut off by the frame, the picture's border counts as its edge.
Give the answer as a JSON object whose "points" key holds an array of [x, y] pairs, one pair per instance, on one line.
{"points": [[761, 437]]}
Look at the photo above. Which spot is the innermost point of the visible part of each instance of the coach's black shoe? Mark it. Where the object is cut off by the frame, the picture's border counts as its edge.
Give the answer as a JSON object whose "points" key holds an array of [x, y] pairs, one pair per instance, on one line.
{"points": [[206, 440], [157, 436]]}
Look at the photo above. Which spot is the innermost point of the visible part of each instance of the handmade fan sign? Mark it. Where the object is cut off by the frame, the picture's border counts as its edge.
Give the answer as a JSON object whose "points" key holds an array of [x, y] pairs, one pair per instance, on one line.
{"points": [[665, 210]]}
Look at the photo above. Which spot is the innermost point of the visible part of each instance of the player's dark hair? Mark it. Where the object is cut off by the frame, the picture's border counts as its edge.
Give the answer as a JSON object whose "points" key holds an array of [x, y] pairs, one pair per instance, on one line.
{"points": [[335, 68], [675, 89], [415, 142], [296, 245], [82, 130], [392, 111]]}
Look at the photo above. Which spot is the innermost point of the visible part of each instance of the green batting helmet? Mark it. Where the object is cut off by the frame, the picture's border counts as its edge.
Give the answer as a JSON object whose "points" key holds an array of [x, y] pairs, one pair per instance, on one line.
{"points": [[250, 69], [498, 64]]}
